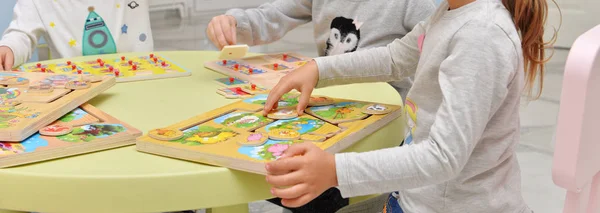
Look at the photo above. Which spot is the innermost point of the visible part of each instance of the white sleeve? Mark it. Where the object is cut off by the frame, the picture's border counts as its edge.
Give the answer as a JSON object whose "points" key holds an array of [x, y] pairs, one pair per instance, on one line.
{"points": [[24, 31], [270, 21]]}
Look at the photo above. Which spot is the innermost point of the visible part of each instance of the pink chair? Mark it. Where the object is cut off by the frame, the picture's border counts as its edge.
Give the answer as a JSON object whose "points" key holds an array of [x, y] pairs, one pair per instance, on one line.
{"points": [[576, 164]]}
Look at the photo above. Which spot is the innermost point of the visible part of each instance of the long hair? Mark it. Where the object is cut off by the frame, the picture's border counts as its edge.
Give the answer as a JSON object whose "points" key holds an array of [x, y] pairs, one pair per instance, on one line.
{"points": [[530, 17]]}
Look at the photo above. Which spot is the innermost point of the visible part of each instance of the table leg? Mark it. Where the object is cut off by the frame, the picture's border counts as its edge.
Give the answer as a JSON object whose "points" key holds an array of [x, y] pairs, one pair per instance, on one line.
{"points": [[10, 211], [241, 208]]}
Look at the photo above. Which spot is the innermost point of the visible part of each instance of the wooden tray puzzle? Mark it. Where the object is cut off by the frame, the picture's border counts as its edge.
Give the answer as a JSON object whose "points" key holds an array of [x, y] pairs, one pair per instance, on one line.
{"points": [[224, 136], [265, 70], [93, 130], [24, 109], [147, 67]]}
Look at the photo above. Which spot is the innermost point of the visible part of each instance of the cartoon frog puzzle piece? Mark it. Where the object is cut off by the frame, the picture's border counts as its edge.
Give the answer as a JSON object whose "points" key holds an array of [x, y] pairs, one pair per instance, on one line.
{"points": [[165, 134]]}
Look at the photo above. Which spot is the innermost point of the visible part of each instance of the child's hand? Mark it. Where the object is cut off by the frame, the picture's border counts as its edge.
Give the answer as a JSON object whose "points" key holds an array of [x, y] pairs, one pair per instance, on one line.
{"points": [[7, 58], [221, 30], [303, 79], [306, 170]]}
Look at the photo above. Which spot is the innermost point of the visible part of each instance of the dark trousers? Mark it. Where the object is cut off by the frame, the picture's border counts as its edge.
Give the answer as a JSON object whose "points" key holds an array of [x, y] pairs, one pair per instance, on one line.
{"points": [[328, 202]]}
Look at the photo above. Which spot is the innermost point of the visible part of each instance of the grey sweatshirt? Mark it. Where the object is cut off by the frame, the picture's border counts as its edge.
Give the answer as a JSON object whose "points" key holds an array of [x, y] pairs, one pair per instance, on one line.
{"points": [[340, 26], [463, 113]]}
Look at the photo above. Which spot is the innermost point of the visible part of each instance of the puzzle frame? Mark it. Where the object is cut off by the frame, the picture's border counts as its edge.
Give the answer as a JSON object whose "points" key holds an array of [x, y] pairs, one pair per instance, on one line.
{"points": [[23, 113], [228, 151], [263, 71], [148, 67], [41, 148]]}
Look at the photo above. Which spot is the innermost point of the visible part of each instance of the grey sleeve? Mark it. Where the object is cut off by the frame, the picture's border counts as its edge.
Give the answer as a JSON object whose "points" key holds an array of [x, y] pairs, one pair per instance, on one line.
{"points": [[383, 64], [473, 81], [416, 12], [270, 21]]}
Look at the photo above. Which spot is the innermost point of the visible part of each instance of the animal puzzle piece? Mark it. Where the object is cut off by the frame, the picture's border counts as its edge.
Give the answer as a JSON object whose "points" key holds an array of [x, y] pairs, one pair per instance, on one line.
{"points": [[234, 51], [78, 84], [40, 89], [284, 134], [56, 130], [283, 114], [233, 92], [276, 66], [339, 112], [254, 139], [320, 101], [165, 134], [254, 89], [376, 109], [228, 82], [13, 80]]}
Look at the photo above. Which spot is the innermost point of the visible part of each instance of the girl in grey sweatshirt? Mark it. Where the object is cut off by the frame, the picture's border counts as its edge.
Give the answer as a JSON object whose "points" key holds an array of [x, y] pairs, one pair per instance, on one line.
{"points": [[340, 26], [470, 61]]}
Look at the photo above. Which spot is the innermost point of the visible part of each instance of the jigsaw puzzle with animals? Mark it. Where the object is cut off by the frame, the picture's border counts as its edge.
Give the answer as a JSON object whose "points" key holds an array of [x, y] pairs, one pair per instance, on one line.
{"points": [[265, 70], [238, 136], [126, 69], [30, 101], [87, 130]]}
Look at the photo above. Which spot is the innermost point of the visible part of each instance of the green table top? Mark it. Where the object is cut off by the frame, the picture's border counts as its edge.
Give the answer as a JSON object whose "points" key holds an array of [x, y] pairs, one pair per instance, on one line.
{"points": [[124, 180]]}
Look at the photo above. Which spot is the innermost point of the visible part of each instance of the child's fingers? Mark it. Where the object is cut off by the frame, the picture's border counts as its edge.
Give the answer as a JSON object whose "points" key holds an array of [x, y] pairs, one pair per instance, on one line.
{"points": [[292, 192], [210, 32], [303, 101], [288, 179], [1, 61], [297, 202], [8, 62], [226, 26], [218, 29], [283, 166], [275, 95], [296, 150], [232, 23]]}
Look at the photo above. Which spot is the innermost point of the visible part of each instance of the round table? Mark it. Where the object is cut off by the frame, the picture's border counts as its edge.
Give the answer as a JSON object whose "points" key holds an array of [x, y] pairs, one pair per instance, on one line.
{"points": [[124, 180]]}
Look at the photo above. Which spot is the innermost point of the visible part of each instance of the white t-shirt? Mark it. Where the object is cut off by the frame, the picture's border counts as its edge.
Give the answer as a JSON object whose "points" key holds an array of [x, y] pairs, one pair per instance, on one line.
{"points": [[79, 27]]}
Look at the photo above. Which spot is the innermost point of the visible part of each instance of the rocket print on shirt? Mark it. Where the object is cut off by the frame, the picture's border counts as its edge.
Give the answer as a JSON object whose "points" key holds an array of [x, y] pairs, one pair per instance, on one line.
{"points": [[96, 36], [344, 36], [411, 118]]}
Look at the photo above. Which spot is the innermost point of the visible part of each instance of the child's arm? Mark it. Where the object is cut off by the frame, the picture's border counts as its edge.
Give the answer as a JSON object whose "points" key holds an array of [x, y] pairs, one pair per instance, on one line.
{"points": [[23, 32], [384, 64], [474, 80], [270, 21]]}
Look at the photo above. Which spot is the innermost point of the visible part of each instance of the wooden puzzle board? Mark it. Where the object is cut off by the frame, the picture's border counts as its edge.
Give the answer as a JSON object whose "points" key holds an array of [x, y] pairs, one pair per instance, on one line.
{"points": [[264, 72], [146, 68], [93, 130], [34, 111], [214, 137]]}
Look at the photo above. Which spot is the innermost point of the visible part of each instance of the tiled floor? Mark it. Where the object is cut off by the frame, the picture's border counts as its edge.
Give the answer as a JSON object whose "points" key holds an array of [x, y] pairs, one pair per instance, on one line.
{"points": [[538, 118]]}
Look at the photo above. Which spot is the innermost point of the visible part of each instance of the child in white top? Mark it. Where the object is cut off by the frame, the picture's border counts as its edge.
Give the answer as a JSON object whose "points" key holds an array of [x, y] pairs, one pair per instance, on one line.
{"points": [[470, 61], [340, 26], [75, 28]]}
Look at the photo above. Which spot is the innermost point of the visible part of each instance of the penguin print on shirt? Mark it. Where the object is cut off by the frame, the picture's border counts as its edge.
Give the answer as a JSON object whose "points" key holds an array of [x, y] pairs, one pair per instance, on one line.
{"points": [[343, 37], [96, 36]]}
